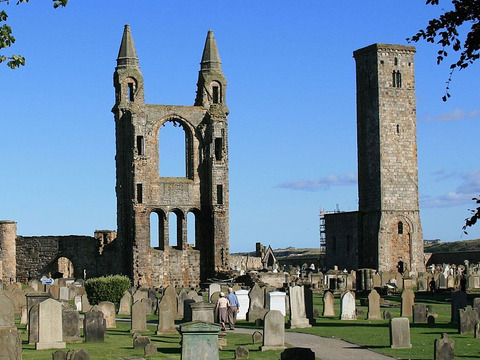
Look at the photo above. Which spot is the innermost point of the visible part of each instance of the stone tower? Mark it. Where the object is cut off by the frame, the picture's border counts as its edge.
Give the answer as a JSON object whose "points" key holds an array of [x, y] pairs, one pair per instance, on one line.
{"points": [[390, 235], [142, 190], [8, 254]]}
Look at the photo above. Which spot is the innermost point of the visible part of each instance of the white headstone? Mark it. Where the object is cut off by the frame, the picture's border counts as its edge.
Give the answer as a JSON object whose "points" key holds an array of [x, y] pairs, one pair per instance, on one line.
{"points": [[276, 300], [50, 332], [347, 307], [244, 302]]}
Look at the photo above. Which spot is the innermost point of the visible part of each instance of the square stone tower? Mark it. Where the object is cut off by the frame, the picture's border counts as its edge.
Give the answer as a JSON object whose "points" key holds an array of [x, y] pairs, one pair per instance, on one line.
{"points": [[390, 233], [142, 190]]}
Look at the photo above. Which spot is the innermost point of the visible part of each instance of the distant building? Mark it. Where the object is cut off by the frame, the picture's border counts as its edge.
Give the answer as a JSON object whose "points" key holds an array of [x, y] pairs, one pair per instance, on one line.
{"points": [[385, 233]]}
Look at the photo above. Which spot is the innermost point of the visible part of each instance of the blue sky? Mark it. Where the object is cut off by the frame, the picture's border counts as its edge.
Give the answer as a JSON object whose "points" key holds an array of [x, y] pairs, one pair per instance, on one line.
{"points": [[291, 95]]}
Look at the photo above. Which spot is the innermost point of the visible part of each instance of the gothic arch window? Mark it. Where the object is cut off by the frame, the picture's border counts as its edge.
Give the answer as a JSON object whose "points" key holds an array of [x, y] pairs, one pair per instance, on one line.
{"points": [[130, 89], [175, 147], [400, 228], [216, 92], [396, 78]]}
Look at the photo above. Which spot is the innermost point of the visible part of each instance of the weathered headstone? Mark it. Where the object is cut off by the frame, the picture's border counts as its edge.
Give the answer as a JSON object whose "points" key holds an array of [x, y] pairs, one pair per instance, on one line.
{"points": [[241, 352], [187, 310], [63, 293], [328, 304], [387, 315], [244, 302], [257, 337], [59, 355], [373, 305], [50, 333], [7, 312], [256, 309], [444, 348], [182, 296], [24, 318], [70, 326], [167, 308], [202, 311], [199, 341], [78, 354], [77, 301], [10, 344], [408, 299], [308, 297], [468, 319], [150, 350], [108, 309], [125, 306], [420, 313], [140, 294], [297, 353], [94, 326], [139, 317], [213, 288], [459, 301], [140, 341], [54, 291], [298, 318], [273, 331], [347, 307], [400, 333]]}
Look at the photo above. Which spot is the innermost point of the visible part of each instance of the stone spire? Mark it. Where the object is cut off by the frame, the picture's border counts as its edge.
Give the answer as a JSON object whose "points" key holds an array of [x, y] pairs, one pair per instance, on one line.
{"points": [[127, 55], [210, 58]]}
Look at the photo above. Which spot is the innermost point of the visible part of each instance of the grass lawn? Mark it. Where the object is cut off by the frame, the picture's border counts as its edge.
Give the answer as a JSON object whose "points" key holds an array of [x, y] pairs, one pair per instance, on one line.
{"points": [[370, 334]]}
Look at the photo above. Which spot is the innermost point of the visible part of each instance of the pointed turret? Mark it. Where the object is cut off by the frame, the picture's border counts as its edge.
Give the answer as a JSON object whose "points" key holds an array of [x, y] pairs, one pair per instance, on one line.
{"points": [[210, 58], [211, 83], [127, 55]]}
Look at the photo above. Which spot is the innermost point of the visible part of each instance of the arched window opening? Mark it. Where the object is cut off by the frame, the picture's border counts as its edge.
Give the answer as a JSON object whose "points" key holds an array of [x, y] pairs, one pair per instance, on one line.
{"points": [[396, 61], [270, 261], [396, 79], [155, 232], [130, 92], [400, 228], [216, 92], [172, 150], [140, 145], [191, 229], [175, 229], [64, 268]]}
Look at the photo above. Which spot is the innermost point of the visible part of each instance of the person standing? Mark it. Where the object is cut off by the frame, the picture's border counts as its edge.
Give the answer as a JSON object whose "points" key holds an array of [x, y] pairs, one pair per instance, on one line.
{"points": [[222, 308], [233, 309]]}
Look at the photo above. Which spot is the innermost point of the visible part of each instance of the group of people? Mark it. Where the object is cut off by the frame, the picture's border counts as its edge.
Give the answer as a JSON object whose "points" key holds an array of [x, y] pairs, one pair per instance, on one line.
{"points": [[227, 308]]}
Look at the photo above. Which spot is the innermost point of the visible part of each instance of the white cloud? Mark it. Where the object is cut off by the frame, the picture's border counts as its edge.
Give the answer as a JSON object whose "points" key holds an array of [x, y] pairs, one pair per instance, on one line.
{"points": [[323, 183], [455, 115]]}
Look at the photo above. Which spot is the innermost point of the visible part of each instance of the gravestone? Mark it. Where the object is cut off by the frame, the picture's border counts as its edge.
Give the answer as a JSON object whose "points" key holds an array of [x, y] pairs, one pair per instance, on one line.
{"points": [[63, 293], [187, 310], [347, 307], [308, 296], [400, 333], [70, 326], [78, 354], [459, 301], [328, 304], [59, 355], [273, 331], [276, 300], [182, 296], [139, 317], [50, 332], [202, 311], [199, 341], [297, 353], [450, 282], [419, 313], [476, 304], [139, 295], [24, 318], [468, 319], [7, 312], [167, 309], [408, 299], [442, 281], [444, 348], [191, 294], [140, 341], [298, 318], [257, 337], [72, 292], [244, 302], [62, 282], [150, 350], [241, 352], [35, 285], [54, 291], [213, 288], [108, 309], [256, 308], [94, 326], [33, 325], [77, 301], [422, 284], [125, 306], [373, 305], [10, 344]]}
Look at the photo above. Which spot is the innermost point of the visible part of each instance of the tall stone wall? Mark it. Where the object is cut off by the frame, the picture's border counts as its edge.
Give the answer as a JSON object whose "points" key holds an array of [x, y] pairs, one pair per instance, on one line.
{"points": [[342, 240]]}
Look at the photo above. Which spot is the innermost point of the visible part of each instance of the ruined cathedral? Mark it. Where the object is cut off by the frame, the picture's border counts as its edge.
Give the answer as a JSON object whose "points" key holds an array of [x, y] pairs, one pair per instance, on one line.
{"points": [[385, 233]]}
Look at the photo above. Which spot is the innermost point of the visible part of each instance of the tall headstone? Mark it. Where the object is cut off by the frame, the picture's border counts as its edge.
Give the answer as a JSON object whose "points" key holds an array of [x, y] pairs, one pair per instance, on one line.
{"points": [[273, 331], [7, 312], [298, 317], [400, 333], [444, 348], [468, 319], [167, 308], [328, 304], [199, 341], [70, 326], [373, 305], [50, 332], [10, 344], [125, 306], [276, 301], [244, 302], [420, 313], [256, 309], [308, 296], [139, 317], [94, 326], [459, 301], [33, 325], [182, 296], [347, 307], [408, 299], [86, 307], [140, 294], [108, 309]]}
